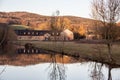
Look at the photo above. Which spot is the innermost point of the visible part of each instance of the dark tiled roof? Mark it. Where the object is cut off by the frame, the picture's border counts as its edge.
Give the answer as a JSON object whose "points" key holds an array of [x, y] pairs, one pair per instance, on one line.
{"points": [[31, 32], [35, 32]]}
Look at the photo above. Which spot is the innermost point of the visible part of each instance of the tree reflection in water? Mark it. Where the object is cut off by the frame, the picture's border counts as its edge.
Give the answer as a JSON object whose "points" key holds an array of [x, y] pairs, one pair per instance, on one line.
{"points": [[109, 73], [57, 70], [97, 73], [2, 71]]}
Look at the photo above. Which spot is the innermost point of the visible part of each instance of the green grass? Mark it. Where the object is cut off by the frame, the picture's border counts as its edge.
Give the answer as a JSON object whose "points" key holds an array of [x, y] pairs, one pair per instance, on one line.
{"points": [[91, 51], [18, 27]]}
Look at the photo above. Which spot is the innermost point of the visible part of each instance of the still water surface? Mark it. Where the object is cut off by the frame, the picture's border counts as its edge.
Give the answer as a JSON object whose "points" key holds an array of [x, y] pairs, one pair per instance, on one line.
{"points": [[51, 70]]}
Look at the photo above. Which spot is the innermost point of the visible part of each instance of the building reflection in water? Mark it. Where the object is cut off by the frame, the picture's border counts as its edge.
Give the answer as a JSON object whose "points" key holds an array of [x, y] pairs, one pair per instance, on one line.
{"points": [[57, 68]]}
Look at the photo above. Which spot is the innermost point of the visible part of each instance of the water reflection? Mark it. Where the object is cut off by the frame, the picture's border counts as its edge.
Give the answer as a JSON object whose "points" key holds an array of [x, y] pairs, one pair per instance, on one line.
{"points": [[109, 73], [54, 67], [57, 70], [96, 71], [2, 71]]}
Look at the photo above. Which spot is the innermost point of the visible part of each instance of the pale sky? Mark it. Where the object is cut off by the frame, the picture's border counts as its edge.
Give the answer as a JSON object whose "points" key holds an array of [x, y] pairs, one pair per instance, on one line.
{"points": [[79, 8]]}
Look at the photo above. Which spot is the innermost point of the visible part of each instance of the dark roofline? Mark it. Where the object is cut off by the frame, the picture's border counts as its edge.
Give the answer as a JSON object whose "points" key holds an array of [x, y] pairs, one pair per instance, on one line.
{"points": [[31, 32]]}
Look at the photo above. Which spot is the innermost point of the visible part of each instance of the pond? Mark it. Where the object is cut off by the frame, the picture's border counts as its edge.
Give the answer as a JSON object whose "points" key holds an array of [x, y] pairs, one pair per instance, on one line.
{"points": [[54, 67]]}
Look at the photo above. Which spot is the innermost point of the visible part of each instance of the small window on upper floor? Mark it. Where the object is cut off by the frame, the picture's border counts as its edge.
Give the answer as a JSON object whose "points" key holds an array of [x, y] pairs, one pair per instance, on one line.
{"points": [[28, 32], [24, 33], [41, 33], [36, 33], [33, 33]]}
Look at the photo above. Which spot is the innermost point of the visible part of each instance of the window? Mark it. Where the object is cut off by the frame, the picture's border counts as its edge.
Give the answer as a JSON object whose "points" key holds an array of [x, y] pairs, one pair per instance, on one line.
{"points": [[36, 51], [28, 32], [32, 50], [33, 33], [36, 33], [28, 51], [41, 33], [24, 51], [24, 32]]}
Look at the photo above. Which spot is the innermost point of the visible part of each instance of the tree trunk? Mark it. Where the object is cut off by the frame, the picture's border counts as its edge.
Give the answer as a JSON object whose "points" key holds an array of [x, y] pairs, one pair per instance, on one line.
{"points": [[109, 73], [109, 45], [4, 41]]}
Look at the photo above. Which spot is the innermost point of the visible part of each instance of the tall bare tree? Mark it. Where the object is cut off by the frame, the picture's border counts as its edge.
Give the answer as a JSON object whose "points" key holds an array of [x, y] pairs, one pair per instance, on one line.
{"points": [[54, 20], [4, 35], [108, 12], [57, 70], [59, 23], [96, 71]]}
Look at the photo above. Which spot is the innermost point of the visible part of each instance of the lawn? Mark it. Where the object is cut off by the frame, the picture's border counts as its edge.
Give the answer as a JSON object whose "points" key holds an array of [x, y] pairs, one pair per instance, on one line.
{"points": [[96, 52], [18, 27]]}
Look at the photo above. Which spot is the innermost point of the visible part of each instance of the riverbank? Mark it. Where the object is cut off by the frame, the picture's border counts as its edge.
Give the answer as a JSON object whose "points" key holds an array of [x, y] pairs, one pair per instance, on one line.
{"points": [[94, 52]]}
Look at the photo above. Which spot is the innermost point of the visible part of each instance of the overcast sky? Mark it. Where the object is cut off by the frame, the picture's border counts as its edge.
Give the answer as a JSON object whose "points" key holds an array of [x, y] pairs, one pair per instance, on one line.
{"points": [[79, 8]]}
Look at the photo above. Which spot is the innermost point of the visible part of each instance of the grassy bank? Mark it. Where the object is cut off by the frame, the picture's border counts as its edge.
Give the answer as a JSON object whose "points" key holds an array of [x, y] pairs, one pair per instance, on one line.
{"points": [[18, 27], [96, 52]]}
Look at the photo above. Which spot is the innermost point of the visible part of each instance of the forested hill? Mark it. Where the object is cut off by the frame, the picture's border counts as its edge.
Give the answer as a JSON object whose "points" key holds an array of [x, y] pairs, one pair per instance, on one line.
{"points": [[40, 21], [36, 21]]}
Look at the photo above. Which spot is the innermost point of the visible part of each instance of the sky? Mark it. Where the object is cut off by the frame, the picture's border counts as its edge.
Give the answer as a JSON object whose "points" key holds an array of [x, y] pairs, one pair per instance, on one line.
{"points": [[79, 8]]}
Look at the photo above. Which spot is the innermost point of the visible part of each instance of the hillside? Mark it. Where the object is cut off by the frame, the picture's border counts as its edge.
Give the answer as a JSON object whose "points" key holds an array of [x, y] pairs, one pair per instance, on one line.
{"points": [[118, 23], [39, 21]]}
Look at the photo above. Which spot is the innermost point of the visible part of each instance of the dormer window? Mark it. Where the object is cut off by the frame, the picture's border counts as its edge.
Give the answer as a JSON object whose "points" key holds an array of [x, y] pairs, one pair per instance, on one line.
{"points": [[33, 33], [36, 33], [24, 33], [28, 32], [41, 33]]}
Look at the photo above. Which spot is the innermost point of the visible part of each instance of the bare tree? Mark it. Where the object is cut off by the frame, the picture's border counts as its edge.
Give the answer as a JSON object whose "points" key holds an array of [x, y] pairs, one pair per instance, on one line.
{"points": [[4, 35], [2, 71], [96, 71], [109, 72], [107, 12], [58, 24], [57, 70], [54, 20]]}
